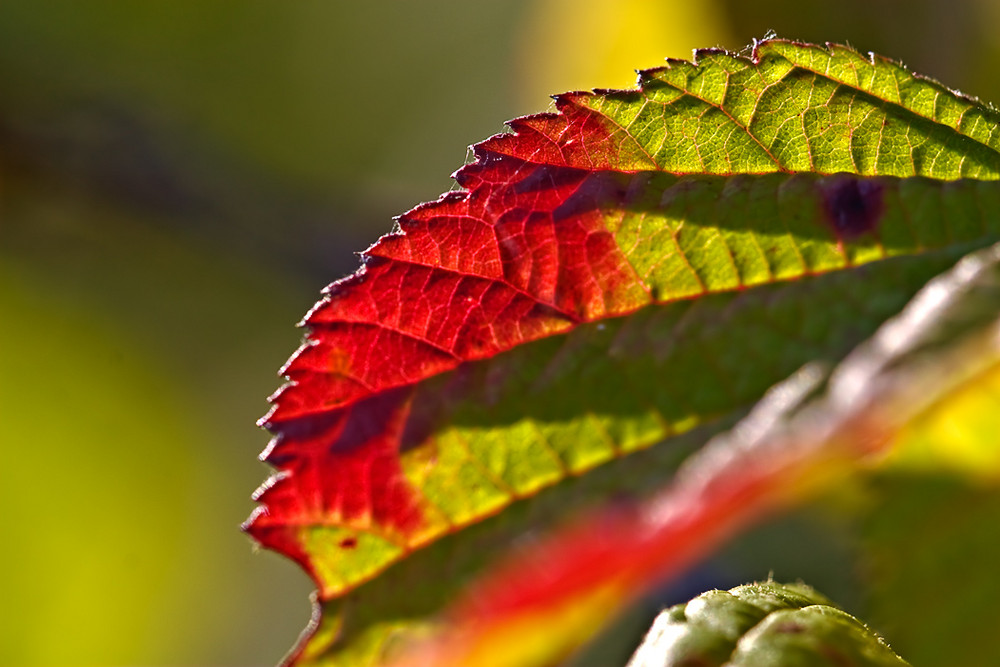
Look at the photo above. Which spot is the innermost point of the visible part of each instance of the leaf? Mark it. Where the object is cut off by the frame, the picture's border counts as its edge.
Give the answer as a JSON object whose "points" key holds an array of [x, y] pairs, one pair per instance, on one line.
{"points": [[548, 598], [612, 275]]}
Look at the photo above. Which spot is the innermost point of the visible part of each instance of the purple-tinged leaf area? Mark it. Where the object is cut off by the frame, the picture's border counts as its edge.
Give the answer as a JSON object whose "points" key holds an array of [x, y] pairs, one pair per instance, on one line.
{"points": [[613, 274]]}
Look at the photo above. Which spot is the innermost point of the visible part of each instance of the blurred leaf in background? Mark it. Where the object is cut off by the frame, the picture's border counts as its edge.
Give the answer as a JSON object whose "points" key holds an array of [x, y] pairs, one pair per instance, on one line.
{"points": [[178, 180], [620, 37]]}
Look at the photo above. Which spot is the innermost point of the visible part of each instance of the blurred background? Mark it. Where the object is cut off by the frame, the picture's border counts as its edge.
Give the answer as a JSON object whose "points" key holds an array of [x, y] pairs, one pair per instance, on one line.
{"points": [[177, 182]]}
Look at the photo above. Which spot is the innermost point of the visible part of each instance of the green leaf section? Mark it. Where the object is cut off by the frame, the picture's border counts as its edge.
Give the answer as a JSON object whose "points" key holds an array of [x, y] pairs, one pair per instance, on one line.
{"points": [[938, 352], [801, 107], [767, 324], [687, 236], [761, 624]]}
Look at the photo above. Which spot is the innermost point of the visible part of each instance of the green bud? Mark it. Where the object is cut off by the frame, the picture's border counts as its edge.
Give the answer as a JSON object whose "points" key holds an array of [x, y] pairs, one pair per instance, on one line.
{"points": [[762, 625]]}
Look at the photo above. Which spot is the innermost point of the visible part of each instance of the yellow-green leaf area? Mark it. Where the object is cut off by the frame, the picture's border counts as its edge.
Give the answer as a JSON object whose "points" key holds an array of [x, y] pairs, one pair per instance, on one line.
{"points": [[794, 107], [339, 567]]}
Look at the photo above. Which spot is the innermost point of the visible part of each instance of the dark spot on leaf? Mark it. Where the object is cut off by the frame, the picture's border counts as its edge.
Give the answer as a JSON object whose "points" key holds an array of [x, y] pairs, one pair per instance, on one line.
{"points": [[852, 204], [349, 543]]}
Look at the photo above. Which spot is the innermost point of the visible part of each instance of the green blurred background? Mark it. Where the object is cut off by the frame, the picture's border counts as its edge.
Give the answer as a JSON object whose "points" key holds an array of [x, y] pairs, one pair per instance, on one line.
{"points": [[177, 182]]}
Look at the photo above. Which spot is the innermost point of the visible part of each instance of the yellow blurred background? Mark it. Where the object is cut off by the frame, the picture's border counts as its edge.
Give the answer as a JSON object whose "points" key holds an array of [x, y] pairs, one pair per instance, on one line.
{"points": [[177, 182]]}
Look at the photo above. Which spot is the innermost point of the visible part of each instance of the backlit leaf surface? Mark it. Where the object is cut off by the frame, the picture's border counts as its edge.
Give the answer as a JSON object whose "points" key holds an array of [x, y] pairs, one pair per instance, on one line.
{"points": [[632, 266], [921, 367]]}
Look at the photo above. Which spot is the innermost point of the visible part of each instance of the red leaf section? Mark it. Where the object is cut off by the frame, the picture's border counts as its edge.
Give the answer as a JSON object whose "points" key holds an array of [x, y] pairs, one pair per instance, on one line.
{"points": [[520, 254]]}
